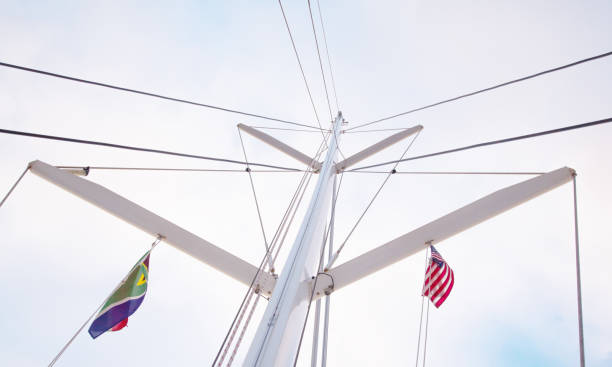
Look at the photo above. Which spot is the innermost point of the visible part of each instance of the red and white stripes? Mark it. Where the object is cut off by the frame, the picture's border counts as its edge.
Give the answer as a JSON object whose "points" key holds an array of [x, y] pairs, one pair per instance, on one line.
{"points": [[439, 279]]}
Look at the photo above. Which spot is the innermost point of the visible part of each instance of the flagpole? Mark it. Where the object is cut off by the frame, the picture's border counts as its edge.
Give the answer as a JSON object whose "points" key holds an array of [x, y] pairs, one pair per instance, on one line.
{"points": [[57, 357]]}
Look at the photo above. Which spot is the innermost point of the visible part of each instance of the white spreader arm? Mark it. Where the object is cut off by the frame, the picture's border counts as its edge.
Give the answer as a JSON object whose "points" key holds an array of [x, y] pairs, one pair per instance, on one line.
{"points": [[294, 153], [441, 229], [154, 225], [375, 148]]}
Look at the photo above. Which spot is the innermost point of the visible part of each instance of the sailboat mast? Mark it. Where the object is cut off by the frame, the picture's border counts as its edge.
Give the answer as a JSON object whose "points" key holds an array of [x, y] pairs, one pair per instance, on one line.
{"points": [[278, 334]]}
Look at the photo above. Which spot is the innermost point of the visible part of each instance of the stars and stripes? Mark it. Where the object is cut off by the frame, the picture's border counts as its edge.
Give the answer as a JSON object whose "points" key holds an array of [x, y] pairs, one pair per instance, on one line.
{"points": [[439, 279]]}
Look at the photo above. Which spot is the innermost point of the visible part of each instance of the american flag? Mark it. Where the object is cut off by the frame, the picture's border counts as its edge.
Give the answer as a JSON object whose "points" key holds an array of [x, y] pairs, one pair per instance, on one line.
{"points": [[439, 279]]}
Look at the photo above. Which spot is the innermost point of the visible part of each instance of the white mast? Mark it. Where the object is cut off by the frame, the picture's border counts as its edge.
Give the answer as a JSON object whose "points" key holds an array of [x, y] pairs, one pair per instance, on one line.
{"points": [[277, 337]]}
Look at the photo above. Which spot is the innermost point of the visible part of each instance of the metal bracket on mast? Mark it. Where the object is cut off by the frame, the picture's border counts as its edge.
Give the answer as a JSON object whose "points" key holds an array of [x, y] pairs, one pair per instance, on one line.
{"points": [[294, 153], [441, 229]]}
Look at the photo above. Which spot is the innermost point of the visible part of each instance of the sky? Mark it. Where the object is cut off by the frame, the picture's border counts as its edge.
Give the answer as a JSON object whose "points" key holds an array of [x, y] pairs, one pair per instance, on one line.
{"points": [[514, 300]]}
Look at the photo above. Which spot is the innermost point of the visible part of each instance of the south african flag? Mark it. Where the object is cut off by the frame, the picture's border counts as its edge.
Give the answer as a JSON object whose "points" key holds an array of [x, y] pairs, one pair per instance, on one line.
{"points": [[124, 301]]}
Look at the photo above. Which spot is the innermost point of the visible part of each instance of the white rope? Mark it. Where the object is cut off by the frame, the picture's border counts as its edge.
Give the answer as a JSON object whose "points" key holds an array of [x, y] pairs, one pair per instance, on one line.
{"points": [[57, 357], [328, 228], [294, 211], [295, 208], [235, 328], [246, 324]]}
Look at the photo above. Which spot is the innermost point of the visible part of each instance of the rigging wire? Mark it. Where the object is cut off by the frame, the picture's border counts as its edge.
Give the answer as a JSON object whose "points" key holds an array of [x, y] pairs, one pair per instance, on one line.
{"points": [[291, 266], [261, 265], [14, 185], [493, 142], [305, 182], [451, 172], [575, 63], [289, 129], [316, 278], [297, 56], [331, 73], [235, 329], [149, 94], [314, 33], [244, 328], [294, 211], [176, 169], [248, 169], [373, 130], [314, 286], [259, 268], [331, 262], [242, 309], [128, 147]]}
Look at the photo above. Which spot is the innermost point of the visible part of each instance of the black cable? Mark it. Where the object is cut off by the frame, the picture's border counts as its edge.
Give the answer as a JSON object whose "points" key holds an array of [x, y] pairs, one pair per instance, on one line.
{"points": [[331, 73], [47, 73], [314, 33], [521, 137], [297, 56], [489, 88], [128, 147]]}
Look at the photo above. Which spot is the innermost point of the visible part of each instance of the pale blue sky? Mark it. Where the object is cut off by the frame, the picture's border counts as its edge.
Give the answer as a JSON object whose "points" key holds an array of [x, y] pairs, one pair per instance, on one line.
{"points": [[514, 299]]}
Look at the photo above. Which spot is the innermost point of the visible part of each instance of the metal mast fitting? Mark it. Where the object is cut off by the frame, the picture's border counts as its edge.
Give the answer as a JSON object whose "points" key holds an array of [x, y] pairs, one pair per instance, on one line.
{"points": [[294, 153], [278, 335]]}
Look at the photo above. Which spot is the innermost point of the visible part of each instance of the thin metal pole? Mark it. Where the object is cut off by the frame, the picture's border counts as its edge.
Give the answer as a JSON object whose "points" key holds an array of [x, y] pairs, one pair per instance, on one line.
{"points": [[14, 185], [416, 363], [315, 335], [578, 282], [329, 257]]}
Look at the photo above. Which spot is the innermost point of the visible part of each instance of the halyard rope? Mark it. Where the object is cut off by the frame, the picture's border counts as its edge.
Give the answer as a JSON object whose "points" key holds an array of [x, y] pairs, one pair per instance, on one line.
{"points": [[14, 185]]}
